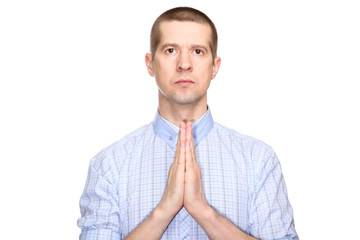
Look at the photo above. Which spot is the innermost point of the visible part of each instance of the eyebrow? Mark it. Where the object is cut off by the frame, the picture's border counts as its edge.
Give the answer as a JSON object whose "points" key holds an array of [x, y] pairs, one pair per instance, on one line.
{"points": [[197, 46], [167, 45], [175, 45]]}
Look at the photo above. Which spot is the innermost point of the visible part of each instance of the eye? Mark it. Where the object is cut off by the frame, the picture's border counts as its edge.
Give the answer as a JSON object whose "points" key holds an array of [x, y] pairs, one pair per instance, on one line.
{"points": [[170, 50], [198, 52]]}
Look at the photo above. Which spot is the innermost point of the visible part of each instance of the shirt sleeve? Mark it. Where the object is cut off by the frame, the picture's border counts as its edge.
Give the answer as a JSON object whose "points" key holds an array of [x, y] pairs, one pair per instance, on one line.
{"points": [[271, 212], [99, 208]]}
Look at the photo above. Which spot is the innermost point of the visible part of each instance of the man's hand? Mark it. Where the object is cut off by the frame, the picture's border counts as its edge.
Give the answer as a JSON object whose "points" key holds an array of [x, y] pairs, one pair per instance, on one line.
{"points": [[172, 200], [173, 197], [184, 185], [194, 198], [215, 225], [184, 189]]}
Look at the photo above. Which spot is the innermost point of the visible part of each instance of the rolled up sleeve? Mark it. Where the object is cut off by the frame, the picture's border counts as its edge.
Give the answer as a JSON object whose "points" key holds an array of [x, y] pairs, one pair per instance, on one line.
{"points": [[99, 208], [271, 212]]}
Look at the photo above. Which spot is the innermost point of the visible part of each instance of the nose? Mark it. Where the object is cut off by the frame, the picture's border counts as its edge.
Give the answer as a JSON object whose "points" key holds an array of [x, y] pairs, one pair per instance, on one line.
{"points": [[184, 62]]}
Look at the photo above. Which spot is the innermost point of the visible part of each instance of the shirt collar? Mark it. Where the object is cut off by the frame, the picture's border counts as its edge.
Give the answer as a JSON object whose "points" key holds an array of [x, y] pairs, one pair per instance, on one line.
{"points": [[168, 131]]}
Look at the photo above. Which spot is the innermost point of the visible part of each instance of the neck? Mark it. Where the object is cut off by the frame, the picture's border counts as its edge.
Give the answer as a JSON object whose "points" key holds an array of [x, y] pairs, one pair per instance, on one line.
{"points": [[177, 113]]}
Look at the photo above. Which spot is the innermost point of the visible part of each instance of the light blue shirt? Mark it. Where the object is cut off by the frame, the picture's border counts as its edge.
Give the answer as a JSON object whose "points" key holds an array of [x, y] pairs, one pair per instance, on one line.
{"points": [[241, 177]]}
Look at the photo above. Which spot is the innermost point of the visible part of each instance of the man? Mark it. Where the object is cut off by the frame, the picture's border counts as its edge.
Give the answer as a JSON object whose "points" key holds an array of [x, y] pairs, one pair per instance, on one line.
{"points": [[184, 176]]}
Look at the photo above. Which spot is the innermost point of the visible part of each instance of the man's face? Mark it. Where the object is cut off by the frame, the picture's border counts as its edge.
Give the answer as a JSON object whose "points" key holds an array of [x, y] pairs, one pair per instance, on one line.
{"points": [[183, 65]]}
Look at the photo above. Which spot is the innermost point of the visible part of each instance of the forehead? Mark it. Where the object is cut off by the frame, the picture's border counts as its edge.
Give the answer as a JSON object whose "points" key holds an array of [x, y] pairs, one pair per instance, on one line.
{"points": [[185, 33]]}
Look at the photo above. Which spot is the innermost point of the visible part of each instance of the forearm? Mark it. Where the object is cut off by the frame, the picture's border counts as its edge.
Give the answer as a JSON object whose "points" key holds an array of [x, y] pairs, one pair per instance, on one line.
{"points": [[217, 226], [153, 226]]}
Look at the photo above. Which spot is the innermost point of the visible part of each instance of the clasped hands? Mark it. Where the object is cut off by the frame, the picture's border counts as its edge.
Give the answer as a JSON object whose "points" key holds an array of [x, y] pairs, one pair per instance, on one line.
{"points": [[184, 186], [184, 189]]}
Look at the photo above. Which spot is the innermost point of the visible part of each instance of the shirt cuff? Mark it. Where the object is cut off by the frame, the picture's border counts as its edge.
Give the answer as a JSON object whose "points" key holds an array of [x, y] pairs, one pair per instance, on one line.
{"points": [[99, 234]]}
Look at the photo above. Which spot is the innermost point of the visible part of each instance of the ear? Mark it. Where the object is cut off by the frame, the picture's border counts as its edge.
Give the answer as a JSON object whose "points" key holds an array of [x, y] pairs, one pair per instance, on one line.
{"points": [[149, 65], [216, 66]]}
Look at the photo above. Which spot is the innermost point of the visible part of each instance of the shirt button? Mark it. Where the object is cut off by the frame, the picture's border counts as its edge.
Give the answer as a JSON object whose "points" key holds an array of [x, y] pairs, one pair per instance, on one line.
{"points": [[194, 136], [170, 138]]}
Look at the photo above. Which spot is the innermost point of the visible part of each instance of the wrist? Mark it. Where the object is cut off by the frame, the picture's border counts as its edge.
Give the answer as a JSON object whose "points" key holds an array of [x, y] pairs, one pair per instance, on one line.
{"points": [[201, 212], [208, 213], [162, 211]]}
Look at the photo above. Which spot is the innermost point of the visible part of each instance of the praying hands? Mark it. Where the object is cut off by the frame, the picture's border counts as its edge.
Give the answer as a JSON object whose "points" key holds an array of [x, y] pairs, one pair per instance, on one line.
{"points": [[184, 186], [184, 189]]}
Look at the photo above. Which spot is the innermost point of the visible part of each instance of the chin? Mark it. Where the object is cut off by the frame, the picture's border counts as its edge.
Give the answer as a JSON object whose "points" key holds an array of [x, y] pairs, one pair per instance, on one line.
{"points": [[183, 100]]}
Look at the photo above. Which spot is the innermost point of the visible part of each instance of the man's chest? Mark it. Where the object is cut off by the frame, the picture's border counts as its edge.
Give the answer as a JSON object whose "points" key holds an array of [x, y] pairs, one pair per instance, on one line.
{"points": [[144, 176]]}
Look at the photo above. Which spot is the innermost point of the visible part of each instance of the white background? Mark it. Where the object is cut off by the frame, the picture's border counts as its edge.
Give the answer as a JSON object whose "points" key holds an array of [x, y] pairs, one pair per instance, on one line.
{"points": [[73, 80]]}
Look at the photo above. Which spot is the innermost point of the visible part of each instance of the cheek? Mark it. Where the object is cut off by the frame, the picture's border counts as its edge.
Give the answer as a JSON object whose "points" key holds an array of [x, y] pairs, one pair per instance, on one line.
{"points": [[206, 65], [162, 76], [207, 72], [161, 67], [165, 71]]}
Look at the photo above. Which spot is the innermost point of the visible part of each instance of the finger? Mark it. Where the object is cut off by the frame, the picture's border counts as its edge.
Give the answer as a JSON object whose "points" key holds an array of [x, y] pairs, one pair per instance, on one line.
{"points": [[193, 152], [189, 139], [189, 136], [182, 149], [183, 131], [188, 130]]}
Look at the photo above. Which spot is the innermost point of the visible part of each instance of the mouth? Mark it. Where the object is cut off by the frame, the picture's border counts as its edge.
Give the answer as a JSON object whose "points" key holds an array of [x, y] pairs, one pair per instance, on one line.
{"points": [[184, 82]]}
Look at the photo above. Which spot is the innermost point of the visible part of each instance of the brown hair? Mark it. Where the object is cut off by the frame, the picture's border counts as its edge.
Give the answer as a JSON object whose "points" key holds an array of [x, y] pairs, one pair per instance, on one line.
{"points": [[182, 14]]}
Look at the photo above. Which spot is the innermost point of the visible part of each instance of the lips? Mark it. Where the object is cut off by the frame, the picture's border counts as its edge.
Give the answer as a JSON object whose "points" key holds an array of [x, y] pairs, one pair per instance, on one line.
{"points": [[184, 81]]}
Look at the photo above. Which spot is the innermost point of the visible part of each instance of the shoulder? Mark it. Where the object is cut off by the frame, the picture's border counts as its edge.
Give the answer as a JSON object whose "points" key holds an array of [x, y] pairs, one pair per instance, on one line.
{"points": [[129, 141], [240, 139], [257, 154], [109, 161]]}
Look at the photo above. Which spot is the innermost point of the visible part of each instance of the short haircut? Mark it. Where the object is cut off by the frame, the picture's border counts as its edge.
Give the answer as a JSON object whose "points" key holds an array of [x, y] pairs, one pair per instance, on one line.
{"points": [[182, 14]]}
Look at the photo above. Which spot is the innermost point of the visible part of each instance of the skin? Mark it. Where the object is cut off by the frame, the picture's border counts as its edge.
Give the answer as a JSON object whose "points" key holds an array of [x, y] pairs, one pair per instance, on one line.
{"points": [[183, 69]]}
